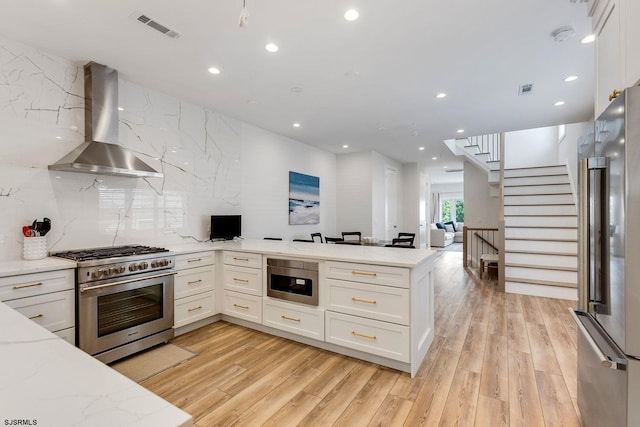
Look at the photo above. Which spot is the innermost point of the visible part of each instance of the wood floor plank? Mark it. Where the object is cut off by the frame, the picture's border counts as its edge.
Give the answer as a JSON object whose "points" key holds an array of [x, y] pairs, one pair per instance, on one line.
{"points": [[524, 404], [530, 310], [491, 412], [472, 354], [334, 372], [557, 405], [495, 373], [460, 408], [542, 353], [407, 388], [498, 316], [294, 411], [517, 336], [393, 412]]}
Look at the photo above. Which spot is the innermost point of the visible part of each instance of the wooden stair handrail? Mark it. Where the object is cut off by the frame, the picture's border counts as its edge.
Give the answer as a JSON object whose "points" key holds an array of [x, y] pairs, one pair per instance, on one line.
{"points": [[486, 241]]}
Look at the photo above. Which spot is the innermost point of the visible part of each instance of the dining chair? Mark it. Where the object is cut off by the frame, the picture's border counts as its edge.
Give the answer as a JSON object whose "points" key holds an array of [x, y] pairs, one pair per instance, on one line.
{"points": [[333, 239], [318, 235], [402, 235], [346, 234], [273, 238], [401, 242], [302, 240]]}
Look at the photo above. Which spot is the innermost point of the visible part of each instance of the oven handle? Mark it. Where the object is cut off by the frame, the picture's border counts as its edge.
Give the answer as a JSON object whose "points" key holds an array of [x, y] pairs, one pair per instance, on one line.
{"points": [[124, 282]]}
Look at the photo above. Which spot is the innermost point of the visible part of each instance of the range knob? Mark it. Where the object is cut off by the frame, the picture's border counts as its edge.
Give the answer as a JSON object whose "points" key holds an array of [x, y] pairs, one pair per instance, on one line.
{"points": [[120, 269], [155, 264], [165, 262], [143, 266], [133, 266], [110, 271], [96, 274]]}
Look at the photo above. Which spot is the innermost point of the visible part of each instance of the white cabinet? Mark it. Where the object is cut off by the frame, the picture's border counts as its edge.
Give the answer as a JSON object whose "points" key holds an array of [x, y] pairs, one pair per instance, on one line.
{"points": [[617, 47], [294, 318], [194, 287], [47, 298], [242, 284], [368, 309]]}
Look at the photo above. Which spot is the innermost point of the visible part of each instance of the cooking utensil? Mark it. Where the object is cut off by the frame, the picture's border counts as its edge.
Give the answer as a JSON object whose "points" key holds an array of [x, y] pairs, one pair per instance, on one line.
{"points": [[26, 231], [46, 226]]}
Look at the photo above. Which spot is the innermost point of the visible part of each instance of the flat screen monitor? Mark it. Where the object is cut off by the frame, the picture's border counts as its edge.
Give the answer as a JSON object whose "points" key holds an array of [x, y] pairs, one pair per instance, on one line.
{"points": [[225, 226]]}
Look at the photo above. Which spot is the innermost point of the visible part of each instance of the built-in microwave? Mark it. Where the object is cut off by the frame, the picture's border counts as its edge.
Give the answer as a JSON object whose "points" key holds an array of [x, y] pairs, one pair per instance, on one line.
{"points": [[293, 280]]}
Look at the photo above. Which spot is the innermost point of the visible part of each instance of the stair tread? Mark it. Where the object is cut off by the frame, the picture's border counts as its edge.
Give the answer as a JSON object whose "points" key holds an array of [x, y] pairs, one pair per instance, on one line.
{"points": [[536, 167], [537, 185], [542, 226], [542, 267], [532, 252], [541, 240], [544, 215], [540, 204], [541, 282], [538, 194]]}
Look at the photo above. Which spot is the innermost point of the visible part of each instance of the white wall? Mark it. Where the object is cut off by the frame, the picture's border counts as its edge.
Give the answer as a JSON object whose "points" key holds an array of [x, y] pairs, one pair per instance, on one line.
{"points": [[212, 164], [568, 147], [410, 211], [354, 194], [531, 147], [379, 165], [480, 209]]}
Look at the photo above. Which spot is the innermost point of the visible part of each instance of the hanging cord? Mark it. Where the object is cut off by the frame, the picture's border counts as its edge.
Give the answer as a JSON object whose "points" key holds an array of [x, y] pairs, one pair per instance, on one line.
{"points": [[244, 14]]}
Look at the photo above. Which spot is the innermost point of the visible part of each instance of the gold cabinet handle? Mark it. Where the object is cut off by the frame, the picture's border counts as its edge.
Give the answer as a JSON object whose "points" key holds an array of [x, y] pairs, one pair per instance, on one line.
{"points": [[194, 281], [240, 280], [289, 318], [194, 309], [364, 273], [27, 286], [241, 306], [363, 300], [614, 94], [36, 316], [194, 260], [371, 337], [240, 259]]}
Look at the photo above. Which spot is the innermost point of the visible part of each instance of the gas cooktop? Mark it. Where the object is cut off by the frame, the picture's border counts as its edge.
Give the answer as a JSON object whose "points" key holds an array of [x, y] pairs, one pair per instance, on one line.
{"points": [[109, 252]]}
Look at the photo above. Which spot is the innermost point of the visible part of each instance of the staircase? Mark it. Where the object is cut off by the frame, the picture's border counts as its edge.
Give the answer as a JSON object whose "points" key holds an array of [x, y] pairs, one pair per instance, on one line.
{"points": [[484, 152], [541, 232]]}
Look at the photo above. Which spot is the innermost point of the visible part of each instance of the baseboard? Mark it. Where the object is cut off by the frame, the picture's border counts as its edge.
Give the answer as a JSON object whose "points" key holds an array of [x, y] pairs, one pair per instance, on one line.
{"points": [[541, 290]]}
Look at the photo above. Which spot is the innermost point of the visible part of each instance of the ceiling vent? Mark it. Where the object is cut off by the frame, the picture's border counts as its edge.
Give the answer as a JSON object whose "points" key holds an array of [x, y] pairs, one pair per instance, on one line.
{"points": [[525, 89], [151, 23]]}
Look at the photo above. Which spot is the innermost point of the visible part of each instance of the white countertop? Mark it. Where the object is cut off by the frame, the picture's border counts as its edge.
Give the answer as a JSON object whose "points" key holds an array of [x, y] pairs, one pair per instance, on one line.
{"points": [[12, 268], [44, 378], [399, 257]]}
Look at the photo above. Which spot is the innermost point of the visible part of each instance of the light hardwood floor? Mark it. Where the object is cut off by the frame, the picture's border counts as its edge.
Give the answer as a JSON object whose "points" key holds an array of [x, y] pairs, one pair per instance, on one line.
{"points": [[497, 359]]}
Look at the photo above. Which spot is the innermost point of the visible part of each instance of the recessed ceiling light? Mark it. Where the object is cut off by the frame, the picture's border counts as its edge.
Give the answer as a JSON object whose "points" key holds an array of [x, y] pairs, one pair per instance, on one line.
{"points": [[214, 70], [434, 158], [559, 103], [120, 109], [296, 125], [446, 167], [441, 95], [271, 47], [570, 78], [460, 131], [345, 146], [351, 15], [589, 39], [420, 148], [173, 151], [58, 137], [621, 140]]}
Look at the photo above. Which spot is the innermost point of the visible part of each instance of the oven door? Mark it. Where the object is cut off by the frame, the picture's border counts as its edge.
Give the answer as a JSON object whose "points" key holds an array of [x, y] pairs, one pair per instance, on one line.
{"points": [[117, 313]]}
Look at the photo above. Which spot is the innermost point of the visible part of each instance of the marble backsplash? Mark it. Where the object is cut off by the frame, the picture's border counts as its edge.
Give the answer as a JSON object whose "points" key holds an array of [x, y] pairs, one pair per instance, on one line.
{"points": [[42, 119]]}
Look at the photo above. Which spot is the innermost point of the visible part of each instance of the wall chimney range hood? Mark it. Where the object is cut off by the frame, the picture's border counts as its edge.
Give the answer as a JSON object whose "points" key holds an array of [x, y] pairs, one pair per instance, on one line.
{"points": [[101, 153]]}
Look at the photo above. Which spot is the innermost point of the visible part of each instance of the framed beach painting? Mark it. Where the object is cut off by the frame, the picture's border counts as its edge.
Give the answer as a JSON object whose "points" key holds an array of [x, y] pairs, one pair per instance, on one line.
{"points": [[304, 199]]}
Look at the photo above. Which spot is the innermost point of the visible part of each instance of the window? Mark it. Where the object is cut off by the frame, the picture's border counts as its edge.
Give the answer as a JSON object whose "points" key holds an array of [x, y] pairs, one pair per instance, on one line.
{"points": [[452, 210]]}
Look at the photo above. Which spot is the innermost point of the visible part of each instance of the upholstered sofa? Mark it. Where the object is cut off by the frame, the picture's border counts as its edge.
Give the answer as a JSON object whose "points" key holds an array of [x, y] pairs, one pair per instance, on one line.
{"points": [[442, 237]]}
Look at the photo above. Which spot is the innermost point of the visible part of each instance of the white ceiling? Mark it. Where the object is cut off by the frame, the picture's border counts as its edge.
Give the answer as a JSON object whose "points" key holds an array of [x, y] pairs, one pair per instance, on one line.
{"points": [[370, 83]]}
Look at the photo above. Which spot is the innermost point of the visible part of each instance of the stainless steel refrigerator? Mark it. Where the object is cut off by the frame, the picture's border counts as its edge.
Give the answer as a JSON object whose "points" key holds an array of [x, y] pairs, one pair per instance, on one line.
{"points": [[608, 315]]}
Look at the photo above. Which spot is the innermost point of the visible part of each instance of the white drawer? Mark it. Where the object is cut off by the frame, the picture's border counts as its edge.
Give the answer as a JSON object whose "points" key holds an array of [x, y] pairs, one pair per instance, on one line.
{"points": [[196, 259], [242, 259], [27, 285], [51, 311], [371, 336], [243, 279], [69, 335], [365, 273], [373, 301], [189, 309], [294, 318], [242, 306], [194, 281]]}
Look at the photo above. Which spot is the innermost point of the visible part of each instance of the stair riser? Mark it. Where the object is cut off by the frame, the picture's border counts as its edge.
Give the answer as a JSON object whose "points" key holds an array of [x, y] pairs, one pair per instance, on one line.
{"points": [[569, 248], [537, 189], [548, 170], [494, 166], [494, 177], [540, 210], [568, 277], [541, 290], [544, 179], [543, 260], [540, 221], [555, 199], [541, 233]]}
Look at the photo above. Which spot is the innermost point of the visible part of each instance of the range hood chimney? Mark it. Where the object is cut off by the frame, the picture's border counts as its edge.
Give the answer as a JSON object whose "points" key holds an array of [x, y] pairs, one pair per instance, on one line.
{"points": [[102, 154]]}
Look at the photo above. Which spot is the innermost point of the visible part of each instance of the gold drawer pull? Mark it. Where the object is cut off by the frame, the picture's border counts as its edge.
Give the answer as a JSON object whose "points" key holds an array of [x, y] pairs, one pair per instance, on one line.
{"points": [[36, 316], [363, 300], [27, 286], [194, 281], [371, 337], [240, 280], [614, 95], [364, 273], [289, 318], [240, 259], [194, 260], [194, 309], [241, 306]]}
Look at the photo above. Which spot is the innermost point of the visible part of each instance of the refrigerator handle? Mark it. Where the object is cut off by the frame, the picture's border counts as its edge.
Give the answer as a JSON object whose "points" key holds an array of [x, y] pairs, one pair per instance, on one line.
{"points": [[597, 236], [583, 235], [604, 360]]}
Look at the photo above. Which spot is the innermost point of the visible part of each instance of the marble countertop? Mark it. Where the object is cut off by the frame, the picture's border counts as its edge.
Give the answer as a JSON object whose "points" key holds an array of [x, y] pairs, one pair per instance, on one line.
{"points": [[46, 380], [399, 257], [12, 268]]}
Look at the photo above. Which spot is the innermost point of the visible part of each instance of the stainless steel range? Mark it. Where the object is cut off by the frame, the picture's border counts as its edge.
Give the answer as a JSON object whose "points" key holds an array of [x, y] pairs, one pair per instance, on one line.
{"points": [[124, 299]]}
